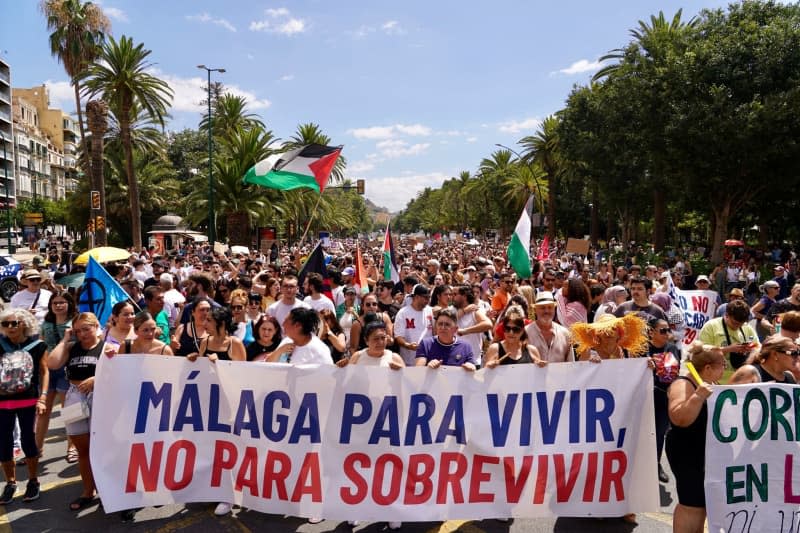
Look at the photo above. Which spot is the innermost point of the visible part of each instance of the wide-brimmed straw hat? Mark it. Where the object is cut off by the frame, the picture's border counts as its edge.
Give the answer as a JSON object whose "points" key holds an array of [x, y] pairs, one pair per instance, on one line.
{"points": [[632, 331]]}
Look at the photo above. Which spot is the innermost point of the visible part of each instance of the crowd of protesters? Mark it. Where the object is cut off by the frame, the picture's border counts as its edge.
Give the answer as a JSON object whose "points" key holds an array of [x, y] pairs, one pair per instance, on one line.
{"points": [[453, 303]]}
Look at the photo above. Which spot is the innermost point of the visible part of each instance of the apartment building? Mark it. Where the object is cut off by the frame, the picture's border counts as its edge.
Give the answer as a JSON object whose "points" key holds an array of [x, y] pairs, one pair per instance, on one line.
{"points": [[6, 138]]}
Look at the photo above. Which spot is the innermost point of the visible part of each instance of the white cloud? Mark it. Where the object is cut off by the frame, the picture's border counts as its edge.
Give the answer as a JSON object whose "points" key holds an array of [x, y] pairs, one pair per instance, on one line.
{"points": [[581, 66], [392, 27], [113, 13], [394, 192], [516, 126], [205, 17], [392, 148], [471, 139], [361, 32], [287, 77], [387, 132], [116, 13], [189, 92], [360, 166], [279, 21], [62, 95]]}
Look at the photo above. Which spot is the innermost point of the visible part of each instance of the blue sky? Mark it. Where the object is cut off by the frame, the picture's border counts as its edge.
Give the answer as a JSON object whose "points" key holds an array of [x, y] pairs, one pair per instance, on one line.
{"points": [[415, 91]]}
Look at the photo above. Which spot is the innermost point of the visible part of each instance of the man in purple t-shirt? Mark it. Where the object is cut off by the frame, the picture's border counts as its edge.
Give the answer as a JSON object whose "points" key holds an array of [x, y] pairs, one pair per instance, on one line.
{"points": [[445, 348]]}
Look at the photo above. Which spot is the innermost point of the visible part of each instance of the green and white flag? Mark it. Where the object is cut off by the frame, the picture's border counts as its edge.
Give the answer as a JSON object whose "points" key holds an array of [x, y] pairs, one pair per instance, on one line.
{"points": [[518, 248]]}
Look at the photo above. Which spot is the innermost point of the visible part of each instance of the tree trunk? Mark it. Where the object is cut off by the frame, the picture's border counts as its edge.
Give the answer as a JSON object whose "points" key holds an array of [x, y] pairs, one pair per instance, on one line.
{"points": [[595, 222], [133, 185], [84, 156], [659, 212], [551, 207], [721, 216], [763, 233]]}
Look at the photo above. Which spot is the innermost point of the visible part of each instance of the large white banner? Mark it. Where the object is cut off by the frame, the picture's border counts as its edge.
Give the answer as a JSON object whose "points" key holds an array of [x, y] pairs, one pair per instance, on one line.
{"points": [[698, 308], [751, 444], [571, 439]]}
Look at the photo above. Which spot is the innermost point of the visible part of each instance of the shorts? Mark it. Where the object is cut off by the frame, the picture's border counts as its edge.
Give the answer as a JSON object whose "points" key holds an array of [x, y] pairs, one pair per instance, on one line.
{"points": [[58, 381], [81, 427]]}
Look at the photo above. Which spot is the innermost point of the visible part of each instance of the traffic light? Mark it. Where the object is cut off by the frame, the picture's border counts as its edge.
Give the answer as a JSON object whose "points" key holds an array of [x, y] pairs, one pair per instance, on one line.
{"points": [[95, 199], [360, 186], [101, 223], [90, 226]]}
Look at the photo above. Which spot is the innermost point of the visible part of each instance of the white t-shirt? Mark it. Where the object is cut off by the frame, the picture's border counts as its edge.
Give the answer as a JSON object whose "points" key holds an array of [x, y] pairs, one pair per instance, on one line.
{"points": [[315, 352], [413, 326], [24, 300], [280, 310], [321, 303]]}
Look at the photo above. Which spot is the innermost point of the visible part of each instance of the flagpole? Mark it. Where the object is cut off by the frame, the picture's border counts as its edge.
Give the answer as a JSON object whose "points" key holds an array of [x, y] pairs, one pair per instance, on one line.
{"points": [[310, 218]]}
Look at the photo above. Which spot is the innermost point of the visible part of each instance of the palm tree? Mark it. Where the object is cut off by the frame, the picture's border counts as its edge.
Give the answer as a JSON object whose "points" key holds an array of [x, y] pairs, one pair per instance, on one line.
{"points": [[240, 204], [97, 118], [527, 180], [543, 148], [229, 112], [78, 30], [121, 78]]}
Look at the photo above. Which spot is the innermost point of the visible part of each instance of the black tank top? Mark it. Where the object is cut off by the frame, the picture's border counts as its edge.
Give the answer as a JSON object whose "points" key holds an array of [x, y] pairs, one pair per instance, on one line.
{"points": [[766, 377], [222, 355], [524, 359], [188, 341]]}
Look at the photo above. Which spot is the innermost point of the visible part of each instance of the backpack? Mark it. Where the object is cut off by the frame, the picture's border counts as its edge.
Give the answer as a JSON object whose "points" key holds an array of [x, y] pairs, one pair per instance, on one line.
{"points": [[16, 368]]}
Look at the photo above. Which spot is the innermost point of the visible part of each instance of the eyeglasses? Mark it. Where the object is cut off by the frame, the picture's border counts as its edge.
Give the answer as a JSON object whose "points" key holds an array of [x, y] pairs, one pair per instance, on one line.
{"points": [[237, 308], [34, 280], [10, 323], [513, 329], [663, 331]]}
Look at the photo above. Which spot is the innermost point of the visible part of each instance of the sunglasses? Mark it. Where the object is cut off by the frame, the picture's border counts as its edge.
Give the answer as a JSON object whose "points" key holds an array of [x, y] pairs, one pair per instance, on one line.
{"points": [[10, 323], [513, 329], [663, 331], [792, 353], [237, 307]]}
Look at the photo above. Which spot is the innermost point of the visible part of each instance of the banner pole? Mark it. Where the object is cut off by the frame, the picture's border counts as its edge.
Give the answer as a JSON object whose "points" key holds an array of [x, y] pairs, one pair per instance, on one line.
{"points": [[310, 218]]}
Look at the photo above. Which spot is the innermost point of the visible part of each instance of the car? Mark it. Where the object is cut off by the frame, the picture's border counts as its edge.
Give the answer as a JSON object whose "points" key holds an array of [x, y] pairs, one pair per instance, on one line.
{"points": [[9, 283]]}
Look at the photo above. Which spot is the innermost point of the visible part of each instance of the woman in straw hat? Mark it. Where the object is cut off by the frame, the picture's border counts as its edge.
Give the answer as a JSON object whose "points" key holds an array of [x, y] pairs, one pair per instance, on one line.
{"points": [[610, 337]]}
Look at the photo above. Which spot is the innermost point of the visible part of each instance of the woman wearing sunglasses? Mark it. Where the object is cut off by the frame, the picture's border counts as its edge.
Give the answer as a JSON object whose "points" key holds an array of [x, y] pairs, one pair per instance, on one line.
{"points": [[21, 401], [773, 363], [243, 328], [665, 357], [514, 348]]}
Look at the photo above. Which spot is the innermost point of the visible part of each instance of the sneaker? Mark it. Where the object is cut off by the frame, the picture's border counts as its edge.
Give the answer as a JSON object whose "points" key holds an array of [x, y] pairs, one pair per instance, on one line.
{"points": [[31, 491], [314, 520], [395, 525], [222, 509], [662, 475], [8, 493]]}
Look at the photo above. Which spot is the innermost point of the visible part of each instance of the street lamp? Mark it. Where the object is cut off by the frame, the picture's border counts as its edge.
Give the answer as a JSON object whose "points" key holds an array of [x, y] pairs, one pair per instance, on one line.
{"points": [[538, 189], [11, 247], [212, 230]]}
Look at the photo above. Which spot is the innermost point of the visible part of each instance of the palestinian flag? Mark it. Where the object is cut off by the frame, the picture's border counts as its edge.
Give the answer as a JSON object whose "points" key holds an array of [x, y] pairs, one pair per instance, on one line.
{"points": [[518, 254], [315, 263], [389, 262], [305, 167]]}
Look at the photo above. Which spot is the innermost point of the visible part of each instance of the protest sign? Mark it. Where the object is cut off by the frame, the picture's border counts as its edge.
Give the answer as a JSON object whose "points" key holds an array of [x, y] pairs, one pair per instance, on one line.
{"points": [[418, 444], [751, 443], [698, 308], [578, 246]]}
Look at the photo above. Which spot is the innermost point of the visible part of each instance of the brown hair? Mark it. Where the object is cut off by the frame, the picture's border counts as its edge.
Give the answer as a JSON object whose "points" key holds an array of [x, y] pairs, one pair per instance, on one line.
{"points": [[791, 321], [704, 354], [775, 343]]}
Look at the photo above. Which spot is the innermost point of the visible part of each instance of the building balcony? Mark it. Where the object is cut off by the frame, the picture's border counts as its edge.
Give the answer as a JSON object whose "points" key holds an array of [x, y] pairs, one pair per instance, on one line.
{"points": [[5, 115], [4, 76]]}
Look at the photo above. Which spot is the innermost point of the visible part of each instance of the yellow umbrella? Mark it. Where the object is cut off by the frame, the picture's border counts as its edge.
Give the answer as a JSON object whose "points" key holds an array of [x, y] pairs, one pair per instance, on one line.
{"points": [[103, 254]]}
